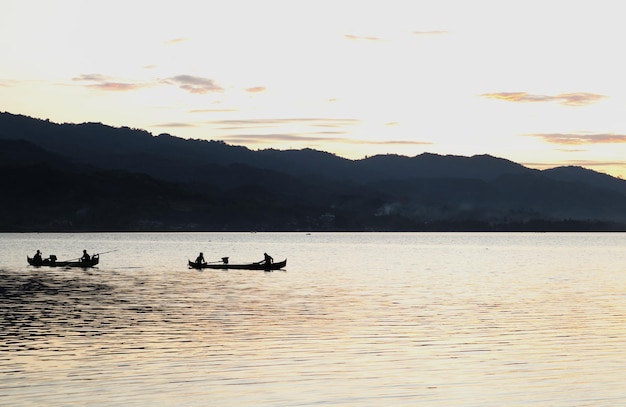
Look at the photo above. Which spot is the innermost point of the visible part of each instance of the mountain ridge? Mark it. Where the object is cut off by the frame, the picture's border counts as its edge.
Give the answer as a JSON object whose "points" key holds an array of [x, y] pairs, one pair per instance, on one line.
{"points": [[310, 189]]}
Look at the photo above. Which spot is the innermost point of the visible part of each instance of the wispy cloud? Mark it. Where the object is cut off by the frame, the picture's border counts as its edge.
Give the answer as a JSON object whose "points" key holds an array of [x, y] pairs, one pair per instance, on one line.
{"points": [[263, 123], [175, 41], [581, 139], [107, 83], [432, 32], [314, 137], [256, 89], [363, 38], [297, 130], [189, 83], [567, 99], [175, 125], [194, 84], [222, 110]]}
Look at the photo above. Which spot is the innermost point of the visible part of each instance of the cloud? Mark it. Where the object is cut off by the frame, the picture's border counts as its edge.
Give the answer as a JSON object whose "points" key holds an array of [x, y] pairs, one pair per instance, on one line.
{"points": [[175, 41], [297, 130], [256, 89], [263, 123], [107, 83], [361, 38], [118, 86], [212, 110], [92, 77], [189, 83], [194, 84], [176, 125], [566, 99], [354, 37], [580, 139], [317, 137], [432, 32]]}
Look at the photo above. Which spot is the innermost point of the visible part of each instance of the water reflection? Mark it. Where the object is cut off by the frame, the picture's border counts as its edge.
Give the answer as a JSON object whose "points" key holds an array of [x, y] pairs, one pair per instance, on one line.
{"points": [[46, 304], [480, 324]]}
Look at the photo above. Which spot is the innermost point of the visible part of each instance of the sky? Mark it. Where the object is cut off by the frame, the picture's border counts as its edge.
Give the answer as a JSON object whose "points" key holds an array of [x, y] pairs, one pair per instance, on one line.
{"points": [[541, 83]]}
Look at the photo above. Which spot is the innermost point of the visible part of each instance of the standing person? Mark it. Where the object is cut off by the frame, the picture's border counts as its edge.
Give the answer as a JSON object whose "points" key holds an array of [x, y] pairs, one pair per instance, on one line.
{"points": [[200, 259], [268, 259], [86, 257]]}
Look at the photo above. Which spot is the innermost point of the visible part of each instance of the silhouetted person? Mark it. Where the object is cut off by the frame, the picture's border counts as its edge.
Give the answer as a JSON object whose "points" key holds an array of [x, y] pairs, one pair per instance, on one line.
{"points": [[37, 258], [268, 259], [200, 259], [86, 257]]}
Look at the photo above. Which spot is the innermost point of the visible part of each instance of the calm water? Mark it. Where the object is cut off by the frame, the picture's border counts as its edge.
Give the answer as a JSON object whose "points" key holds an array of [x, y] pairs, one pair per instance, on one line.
{"points": [[353, 320]]}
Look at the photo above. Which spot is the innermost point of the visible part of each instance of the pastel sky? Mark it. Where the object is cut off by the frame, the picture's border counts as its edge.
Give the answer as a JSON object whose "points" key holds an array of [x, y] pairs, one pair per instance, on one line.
{"points": [[541, 83]]}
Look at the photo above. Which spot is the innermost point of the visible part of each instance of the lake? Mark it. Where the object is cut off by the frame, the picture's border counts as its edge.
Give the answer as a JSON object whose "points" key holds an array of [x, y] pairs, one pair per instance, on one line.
{"points": [[355, 319]]}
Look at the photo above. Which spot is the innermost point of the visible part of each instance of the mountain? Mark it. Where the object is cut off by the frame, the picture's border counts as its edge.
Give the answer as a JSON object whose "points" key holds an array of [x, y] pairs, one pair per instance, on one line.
{"points": [[96, 177]]}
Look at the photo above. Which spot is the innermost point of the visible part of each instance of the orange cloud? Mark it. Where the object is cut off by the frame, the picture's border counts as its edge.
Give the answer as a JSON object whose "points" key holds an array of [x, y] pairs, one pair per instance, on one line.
{"points": [[580, 139], [566, 99], [117, 86], [106, 83], [256, 89]]}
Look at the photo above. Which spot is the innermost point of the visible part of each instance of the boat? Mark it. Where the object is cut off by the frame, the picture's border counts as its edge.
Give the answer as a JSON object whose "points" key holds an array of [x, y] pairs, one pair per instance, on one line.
{"points": [[52, 262], [260, 265]]}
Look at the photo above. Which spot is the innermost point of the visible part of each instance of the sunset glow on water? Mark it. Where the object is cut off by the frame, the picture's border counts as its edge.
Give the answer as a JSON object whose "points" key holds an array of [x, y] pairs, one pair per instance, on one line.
{"points": [[355, 319]]}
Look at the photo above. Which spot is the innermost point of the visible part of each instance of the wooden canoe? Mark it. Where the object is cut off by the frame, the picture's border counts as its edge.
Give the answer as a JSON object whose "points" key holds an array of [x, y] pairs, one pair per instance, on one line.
{"points": [[249, 266], [95, 259]]}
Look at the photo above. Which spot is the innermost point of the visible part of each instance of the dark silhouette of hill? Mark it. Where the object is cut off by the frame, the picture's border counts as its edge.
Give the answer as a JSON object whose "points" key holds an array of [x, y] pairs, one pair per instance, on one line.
{"points": [[96, 177], [23, 153]]}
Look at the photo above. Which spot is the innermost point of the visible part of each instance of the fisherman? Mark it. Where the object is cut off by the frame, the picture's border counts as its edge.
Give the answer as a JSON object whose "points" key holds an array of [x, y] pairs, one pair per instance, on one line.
{"points": [[86, 257], [37, 258], [200, 259], [268, 259]]}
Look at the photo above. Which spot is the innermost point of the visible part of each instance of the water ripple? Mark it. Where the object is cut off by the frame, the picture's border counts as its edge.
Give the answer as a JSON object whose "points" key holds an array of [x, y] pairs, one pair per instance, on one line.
{"points": [[458, 332]]}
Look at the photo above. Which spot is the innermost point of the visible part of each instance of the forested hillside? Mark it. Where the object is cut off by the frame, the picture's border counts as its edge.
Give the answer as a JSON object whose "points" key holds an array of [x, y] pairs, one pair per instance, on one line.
{"points": [[96, 177]]}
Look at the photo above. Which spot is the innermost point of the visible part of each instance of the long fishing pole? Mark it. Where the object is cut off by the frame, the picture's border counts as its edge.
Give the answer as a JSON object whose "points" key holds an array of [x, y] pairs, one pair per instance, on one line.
{"points": [[110, 251], [97, 254]]}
